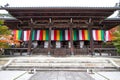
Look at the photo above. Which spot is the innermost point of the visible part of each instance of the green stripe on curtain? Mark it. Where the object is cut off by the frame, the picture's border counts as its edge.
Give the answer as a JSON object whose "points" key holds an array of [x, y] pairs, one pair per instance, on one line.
{"points": [[61, 35], [102, 35], [74, 34], [19, 34], [47, 35], [33, 35]]}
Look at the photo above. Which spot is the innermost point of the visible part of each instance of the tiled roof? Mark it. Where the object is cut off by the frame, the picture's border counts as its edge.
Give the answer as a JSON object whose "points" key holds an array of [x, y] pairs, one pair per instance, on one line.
{"points": [[115, 8], [6, 17], [60, 3]]}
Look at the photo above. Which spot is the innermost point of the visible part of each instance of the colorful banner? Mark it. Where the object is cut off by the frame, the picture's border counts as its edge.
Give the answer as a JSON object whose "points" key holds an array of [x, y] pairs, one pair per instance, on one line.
{"points": [[108, 36], [80, 35], [56, 35], [60, 35], [98, 35], [41, 35], [38, 35], [67, 34], [84, 35], [26, 35], [17, 34]]}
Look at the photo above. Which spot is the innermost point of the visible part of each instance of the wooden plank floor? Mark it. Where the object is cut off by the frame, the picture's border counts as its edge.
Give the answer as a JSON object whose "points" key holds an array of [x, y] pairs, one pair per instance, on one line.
{"points": [[61, 75]]}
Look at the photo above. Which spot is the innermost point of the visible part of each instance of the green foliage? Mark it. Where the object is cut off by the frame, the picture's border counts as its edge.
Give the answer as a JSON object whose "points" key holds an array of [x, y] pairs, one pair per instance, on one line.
{"points": [[4, 45], [4, 30], [1, 22], [116, 41]]}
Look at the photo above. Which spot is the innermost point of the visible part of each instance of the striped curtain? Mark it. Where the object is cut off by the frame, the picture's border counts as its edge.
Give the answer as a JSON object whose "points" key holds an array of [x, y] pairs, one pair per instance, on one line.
{"points": [[36, 35], [98, 35], [80, 35], [17, 34], [67, 34], [56, 35], [84, 35], [41, 35], [26, 35], [60, 35], [108, 36]]}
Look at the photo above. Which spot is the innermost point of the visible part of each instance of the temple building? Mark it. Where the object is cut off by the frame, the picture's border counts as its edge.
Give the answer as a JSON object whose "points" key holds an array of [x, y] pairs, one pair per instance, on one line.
{"points": [[62, 30]]}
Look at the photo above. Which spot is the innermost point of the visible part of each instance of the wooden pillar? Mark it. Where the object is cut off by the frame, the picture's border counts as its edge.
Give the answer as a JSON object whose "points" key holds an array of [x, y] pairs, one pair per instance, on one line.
{"points": [[30, 40], [71, 37], [49, 42], [91, 38]]}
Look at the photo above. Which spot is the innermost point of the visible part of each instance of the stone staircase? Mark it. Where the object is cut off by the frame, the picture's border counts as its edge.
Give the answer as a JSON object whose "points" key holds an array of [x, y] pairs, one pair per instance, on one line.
{"points": [[61, 64]]}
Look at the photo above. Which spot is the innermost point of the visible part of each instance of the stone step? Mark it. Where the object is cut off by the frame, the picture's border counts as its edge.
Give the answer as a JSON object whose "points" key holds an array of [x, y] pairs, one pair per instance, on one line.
{"points": [[59, 61], [62, 69], [38, 67], [63, 64]]}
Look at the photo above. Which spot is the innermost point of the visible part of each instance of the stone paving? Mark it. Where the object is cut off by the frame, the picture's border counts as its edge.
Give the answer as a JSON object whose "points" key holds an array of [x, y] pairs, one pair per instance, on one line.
{"points": [[61, 75], [14, 75], [58, 75], [106, 76]]}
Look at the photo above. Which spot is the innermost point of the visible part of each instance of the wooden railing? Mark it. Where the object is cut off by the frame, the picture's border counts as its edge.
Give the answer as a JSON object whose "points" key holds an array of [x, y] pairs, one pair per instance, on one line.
{"points": [[98, 49]]}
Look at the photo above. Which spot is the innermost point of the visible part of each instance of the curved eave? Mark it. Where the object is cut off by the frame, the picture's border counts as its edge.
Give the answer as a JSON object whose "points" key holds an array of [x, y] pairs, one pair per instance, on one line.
{"points": [[110, 8], [26, 12], [80, 13], [113, 19]]}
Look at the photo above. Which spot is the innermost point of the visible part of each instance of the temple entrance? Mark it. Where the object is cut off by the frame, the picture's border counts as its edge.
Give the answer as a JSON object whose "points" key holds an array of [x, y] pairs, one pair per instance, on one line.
{"points": [[40, 44], [40, 47], [81, 47], [76, 44], [60, 44], [65, 44], [60, 48]]}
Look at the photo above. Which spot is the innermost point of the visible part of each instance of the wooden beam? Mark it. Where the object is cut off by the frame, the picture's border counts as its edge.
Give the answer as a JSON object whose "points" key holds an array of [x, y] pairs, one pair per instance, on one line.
{"points": [[59, 16], [57, 25], [79, 12]]}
